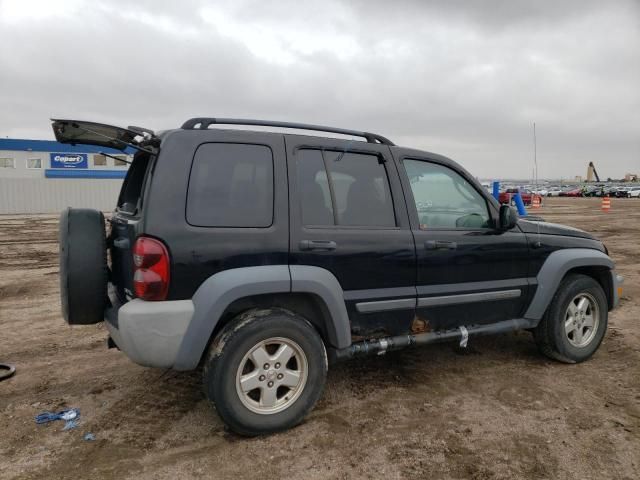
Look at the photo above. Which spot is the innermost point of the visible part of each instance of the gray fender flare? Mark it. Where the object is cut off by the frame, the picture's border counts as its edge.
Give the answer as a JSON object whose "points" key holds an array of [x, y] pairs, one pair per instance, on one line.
{"points": [[215, 294], [325, 285], [220, 290], [555, 268]]}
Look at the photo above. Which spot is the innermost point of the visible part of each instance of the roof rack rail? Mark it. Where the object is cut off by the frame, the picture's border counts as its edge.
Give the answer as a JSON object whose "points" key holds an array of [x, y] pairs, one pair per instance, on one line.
{"points": [[203, 123]]}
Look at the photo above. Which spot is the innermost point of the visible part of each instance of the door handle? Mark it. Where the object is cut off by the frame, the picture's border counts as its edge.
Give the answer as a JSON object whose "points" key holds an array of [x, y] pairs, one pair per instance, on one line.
{"points": [[440, 245], [317, 245]]}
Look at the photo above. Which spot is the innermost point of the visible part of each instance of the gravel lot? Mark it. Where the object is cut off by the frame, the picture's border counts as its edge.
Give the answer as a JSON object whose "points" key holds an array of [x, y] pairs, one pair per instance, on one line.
{"points": [[499, 410]]}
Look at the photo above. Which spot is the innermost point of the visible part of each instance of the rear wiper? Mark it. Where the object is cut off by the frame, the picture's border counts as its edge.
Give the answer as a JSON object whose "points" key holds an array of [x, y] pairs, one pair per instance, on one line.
{"points": [[117, 140], [141, 130], [116, 158]]}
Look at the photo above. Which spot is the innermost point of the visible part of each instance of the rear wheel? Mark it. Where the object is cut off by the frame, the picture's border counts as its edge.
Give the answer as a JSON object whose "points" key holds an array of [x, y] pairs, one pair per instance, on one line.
{"points": [[265, 371], [576, 321]]}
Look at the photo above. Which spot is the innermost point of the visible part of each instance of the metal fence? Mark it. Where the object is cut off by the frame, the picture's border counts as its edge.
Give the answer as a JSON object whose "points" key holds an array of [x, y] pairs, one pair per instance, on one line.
{"points": [[42, 195]]}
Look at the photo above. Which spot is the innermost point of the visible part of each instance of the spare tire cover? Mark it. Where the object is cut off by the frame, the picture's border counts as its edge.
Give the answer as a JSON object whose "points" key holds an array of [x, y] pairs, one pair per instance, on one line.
{"points": [[83, 266]]}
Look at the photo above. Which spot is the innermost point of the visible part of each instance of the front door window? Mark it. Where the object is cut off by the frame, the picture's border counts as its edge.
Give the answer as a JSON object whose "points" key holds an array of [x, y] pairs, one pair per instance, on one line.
{"points": [[444, 199]]}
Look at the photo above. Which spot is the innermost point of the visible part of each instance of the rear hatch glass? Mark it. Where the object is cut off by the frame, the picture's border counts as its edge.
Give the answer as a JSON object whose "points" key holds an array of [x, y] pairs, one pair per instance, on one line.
{"points": [[80, 132]]}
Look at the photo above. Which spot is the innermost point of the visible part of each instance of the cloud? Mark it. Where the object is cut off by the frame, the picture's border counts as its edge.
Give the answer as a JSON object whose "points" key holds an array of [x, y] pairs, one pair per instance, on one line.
{"points": [[463, 79]]}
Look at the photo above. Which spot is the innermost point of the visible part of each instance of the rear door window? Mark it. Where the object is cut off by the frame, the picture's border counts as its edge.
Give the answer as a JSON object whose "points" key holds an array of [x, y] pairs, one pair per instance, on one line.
{"points": [[344, 188], [231, 185], [313, 185]]}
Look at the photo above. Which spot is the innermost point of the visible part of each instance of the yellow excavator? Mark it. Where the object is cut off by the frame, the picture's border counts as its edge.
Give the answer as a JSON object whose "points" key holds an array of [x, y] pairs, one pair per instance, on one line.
{"points": [[591, 173]]}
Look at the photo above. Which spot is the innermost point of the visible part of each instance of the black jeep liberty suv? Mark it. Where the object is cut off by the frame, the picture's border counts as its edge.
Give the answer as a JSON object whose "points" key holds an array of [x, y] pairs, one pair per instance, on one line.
{"points": [[263, 256]]}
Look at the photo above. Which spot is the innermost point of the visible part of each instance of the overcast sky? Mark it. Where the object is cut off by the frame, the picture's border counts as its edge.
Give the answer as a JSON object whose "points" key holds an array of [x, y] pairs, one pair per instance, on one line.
{"points": [[466, 79]]}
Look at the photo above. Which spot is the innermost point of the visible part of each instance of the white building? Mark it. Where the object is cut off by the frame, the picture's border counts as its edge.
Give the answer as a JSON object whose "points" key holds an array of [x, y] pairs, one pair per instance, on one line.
{"points": [[42, 176]]}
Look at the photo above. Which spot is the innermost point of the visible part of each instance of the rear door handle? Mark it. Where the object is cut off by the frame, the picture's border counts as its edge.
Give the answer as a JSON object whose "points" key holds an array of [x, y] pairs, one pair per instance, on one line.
{"points": [[440, 245], [317, 245]]}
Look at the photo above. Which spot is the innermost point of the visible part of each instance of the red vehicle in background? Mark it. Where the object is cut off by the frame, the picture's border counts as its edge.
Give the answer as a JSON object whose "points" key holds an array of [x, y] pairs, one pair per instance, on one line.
{"points": [[527, 196]]}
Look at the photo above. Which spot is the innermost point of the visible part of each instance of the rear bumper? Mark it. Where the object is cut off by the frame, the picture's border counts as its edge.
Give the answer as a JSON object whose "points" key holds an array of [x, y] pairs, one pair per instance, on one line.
{"points": [[616, 283], [149, 333]]}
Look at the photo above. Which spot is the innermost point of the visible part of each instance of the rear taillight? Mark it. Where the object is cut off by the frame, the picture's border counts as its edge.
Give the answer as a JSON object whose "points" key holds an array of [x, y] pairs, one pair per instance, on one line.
{"points": [[150, 269]]}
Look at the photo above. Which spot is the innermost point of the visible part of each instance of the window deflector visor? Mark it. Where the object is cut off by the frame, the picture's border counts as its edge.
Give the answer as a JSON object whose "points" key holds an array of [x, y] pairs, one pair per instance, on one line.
{"points": [[90, 133]]}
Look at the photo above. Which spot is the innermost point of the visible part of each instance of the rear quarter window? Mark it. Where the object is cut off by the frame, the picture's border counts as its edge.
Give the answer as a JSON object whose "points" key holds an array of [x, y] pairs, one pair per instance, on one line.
{"points": [[130, 199], [231, 185]]}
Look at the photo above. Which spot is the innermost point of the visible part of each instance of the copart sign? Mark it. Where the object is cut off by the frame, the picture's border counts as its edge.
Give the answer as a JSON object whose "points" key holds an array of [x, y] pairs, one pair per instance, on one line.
{"points": [[68, 160]]}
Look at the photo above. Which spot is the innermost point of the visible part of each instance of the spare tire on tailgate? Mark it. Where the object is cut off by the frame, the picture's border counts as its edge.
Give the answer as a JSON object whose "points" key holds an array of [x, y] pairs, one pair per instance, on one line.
{"points": [[83, 266]]}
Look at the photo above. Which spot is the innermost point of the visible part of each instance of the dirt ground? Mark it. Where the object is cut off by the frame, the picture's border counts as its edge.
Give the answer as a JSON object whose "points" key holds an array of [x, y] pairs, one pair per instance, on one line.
{"points": [[500, 410]]}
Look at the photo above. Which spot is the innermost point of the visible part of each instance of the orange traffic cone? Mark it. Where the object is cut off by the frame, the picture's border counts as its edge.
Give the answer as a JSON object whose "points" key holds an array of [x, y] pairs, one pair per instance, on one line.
{"points": [[606, 204], [535, 203]]}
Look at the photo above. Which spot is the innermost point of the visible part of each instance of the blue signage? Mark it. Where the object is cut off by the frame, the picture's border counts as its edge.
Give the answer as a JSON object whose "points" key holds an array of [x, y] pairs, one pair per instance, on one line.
{"points": [[68, 160]]}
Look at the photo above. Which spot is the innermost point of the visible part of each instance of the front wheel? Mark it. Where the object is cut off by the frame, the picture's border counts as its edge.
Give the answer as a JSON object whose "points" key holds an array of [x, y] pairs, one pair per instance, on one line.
{"points": [[575, 322], [265, 371]]}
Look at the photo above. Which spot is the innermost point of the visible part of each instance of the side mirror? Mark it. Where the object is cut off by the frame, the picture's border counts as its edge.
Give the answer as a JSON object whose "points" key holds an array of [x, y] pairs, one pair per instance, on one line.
{"points": [[508, 218]]}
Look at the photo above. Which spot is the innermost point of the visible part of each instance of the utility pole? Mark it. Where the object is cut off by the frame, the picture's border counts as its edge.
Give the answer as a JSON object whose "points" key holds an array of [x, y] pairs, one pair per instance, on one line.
{"points": [[535, 155]]}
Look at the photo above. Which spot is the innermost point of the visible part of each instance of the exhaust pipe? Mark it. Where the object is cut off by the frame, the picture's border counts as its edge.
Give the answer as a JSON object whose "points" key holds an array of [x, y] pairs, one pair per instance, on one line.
{"points": [[383, 345]]}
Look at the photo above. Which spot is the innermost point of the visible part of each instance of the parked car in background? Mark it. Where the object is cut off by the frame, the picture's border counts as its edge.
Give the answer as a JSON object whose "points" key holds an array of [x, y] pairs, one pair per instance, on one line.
{"points": [[592, 191], [506, 197], [554, 192], [621, 191], [601, 191], [633, 192], [573, 192], [610, 191]]}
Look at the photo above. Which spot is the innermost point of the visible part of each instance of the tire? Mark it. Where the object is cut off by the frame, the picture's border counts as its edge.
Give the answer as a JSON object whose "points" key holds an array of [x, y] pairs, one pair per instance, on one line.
{"points": [[83, 266], [576, 342], [255, 412]]}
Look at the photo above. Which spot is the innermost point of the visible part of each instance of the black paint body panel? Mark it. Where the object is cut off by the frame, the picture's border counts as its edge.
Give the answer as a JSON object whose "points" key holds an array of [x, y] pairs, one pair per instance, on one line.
{"points": [[199, 252]]}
